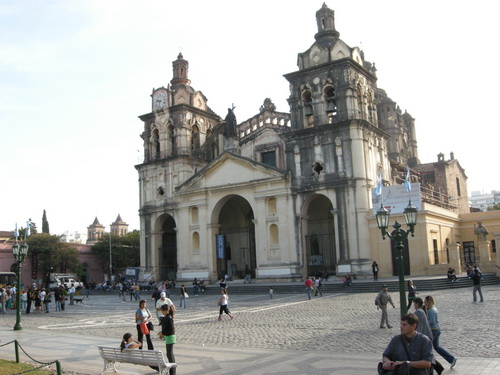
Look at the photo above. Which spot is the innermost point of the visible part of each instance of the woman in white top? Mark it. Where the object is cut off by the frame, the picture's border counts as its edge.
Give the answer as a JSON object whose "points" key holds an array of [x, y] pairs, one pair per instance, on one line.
{"points": [[128, 342], [223, 301], [142, 315]]}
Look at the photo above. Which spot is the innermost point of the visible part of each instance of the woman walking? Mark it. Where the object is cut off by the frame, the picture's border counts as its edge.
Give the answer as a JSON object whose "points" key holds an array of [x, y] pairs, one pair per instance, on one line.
{"points": [[184, 295], [433, 318], [142, 315], [411, 293], [168, 334], [223, 301], [375, 271]]}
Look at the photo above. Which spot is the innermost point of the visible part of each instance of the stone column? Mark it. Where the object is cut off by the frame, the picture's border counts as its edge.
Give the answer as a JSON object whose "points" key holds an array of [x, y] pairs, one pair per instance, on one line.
{"points": [[455, 260], [485, 256]]}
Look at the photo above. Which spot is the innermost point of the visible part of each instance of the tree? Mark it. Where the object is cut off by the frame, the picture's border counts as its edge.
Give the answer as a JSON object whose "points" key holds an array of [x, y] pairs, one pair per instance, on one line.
{"points": [[125, 251], [45, 223], [494, 207], [53, 255]]}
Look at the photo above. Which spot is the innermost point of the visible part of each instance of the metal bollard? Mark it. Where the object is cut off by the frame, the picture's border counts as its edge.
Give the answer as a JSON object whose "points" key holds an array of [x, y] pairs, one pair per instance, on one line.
{"points": [[16, 347]]}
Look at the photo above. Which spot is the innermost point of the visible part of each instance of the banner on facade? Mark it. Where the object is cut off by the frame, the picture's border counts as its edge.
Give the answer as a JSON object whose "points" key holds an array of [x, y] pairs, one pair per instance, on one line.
{"points": [[395, 198], [220, 245]]}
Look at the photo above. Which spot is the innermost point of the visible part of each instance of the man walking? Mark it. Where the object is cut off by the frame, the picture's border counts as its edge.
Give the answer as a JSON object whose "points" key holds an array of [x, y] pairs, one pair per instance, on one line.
{"points": [[383, 298], [410, 348], [476, 280], [163, 301], [423, 324], [71, 292], [308, 284]]}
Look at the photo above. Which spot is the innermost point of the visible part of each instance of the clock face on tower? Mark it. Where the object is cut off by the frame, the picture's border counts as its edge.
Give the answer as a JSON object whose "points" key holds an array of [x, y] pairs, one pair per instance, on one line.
{"points": [[159, 100]]}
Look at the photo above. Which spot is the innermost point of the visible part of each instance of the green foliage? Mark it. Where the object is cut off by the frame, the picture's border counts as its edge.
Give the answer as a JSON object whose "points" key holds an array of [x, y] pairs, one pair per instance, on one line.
{"points": [[494, 207], [45, 223], [53, 255], [125, 251]]}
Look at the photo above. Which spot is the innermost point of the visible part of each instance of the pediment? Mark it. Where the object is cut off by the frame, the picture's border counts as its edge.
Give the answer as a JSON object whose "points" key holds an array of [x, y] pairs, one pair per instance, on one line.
{"points": [[230, 169]]}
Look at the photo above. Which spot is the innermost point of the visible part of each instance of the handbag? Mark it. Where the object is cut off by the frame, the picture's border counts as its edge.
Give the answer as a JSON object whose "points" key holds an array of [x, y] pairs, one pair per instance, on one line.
{"points": [[402, 369], [150, 325], [186, 295], [144, 328]]}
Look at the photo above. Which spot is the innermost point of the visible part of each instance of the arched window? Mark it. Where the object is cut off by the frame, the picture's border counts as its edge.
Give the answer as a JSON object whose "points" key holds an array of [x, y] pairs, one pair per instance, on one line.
{"points": [[156, 144], [195, 138], [171, 139]]}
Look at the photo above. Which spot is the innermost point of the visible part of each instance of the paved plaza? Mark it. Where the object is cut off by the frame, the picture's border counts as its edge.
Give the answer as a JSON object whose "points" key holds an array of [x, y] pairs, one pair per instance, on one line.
{"points": [[333, 334]]}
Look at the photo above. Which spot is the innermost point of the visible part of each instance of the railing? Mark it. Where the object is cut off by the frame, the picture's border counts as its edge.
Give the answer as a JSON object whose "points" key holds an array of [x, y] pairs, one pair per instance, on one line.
{"points": [[17, 346]]}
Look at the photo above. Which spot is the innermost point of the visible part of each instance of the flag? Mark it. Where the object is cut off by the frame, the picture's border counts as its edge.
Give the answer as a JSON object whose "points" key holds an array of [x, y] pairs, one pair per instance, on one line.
{"points": [[28, 228], [16, 232], [378, 190], [407, 180]]}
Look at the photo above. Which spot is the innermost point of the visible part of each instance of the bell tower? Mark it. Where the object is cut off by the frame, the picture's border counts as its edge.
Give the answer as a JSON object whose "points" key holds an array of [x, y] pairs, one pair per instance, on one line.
{"points": [[335, 145], [180, 67]]}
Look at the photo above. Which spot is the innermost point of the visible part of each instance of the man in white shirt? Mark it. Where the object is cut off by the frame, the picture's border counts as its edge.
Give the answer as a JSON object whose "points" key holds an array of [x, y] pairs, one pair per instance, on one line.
{"points": [[163, 301]]}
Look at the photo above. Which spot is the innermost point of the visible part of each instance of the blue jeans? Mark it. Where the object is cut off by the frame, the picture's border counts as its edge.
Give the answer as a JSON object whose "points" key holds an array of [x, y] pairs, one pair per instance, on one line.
{"points": [[435, 343], [308, 291], [475, 289], [58, 305], [183, 299]]}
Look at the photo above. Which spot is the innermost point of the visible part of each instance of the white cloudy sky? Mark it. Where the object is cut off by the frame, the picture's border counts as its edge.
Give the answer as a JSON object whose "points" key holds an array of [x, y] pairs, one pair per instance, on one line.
{"points": [[74, 76]]}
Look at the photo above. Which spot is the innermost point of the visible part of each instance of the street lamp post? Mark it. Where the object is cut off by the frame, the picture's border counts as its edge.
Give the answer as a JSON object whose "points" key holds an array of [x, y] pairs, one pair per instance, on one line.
{"points": [[19, 253], [398, 235], [110, 258]]}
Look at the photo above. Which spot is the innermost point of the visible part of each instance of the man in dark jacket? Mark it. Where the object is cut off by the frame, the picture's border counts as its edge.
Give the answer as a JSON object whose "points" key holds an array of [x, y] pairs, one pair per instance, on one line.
{"points": [[476, 280]]}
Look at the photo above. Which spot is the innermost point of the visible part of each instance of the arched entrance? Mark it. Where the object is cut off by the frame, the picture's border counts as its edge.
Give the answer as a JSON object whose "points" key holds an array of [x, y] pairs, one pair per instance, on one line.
{"points": [[236, 225], [168, 249], [320, 238]]}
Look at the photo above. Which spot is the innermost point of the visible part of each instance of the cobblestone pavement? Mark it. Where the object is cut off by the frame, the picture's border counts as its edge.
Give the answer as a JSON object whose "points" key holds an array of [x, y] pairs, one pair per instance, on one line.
{"points": [[347, 323]]}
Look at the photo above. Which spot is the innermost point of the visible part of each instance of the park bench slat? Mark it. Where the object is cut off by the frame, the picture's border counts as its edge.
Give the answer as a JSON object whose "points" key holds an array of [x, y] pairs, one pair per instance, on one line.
{"points": [[156, 358]]}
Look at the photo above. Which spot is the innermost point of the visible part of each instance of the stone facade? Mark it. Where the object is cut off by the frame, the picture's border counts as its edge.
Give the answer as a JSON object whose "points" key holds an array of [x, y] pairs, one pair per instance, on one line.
{"points": [[282, 196]]}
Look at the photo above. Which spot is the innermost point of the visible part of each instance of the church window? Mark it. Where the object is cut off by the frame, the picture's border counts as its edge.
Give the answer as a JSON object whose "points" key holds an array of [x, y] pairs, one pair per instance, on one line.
{"points": [[317, 167], [458, 187], [329, 96], [195, 138], [156, 144], [436, 252], [269, 158], [171, 138], [215, 151]]}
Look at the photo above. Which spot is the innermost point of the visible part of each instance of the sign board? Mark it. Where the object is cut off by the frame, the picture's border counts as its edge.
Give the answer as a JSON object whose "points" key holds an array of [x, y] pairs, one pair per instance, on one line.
{"points": [[395, 198], [220, 245], [132, 274]]}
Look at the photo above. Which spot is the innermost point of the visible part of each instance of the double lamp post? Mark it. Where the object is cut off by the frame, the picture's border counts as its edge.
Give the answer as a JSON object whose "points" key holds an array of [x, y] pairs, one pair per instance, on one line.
{"points": [[398, 235], [20, 253]]}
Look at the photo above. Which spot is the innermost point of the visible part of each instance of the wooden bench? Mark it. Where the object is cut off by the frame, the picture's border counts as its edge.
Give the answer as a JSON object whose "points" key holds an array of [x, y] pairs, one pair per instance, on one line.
{"points": [[110, 355], [78, 300]]}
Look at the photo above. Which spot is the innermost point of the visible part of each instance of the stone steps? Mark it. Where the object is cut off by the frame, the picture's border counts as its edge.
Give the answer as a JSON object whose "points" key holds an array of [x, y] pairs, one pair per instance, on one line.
{"points": [[358, 286]]}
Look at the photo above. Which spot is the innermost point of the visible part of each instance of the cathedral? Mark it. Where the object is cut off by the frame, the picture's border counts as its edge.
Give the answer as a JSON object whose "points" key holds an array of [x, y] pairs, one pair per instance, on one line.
{"points": [[281, 195]]}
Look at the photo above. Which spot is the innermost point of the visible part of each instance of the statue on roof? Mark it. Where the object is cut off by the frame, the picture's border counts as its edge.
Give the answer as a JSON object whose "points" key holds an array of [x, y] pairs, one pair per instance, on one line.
{"points": [[268, 106], [230, 130]]}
